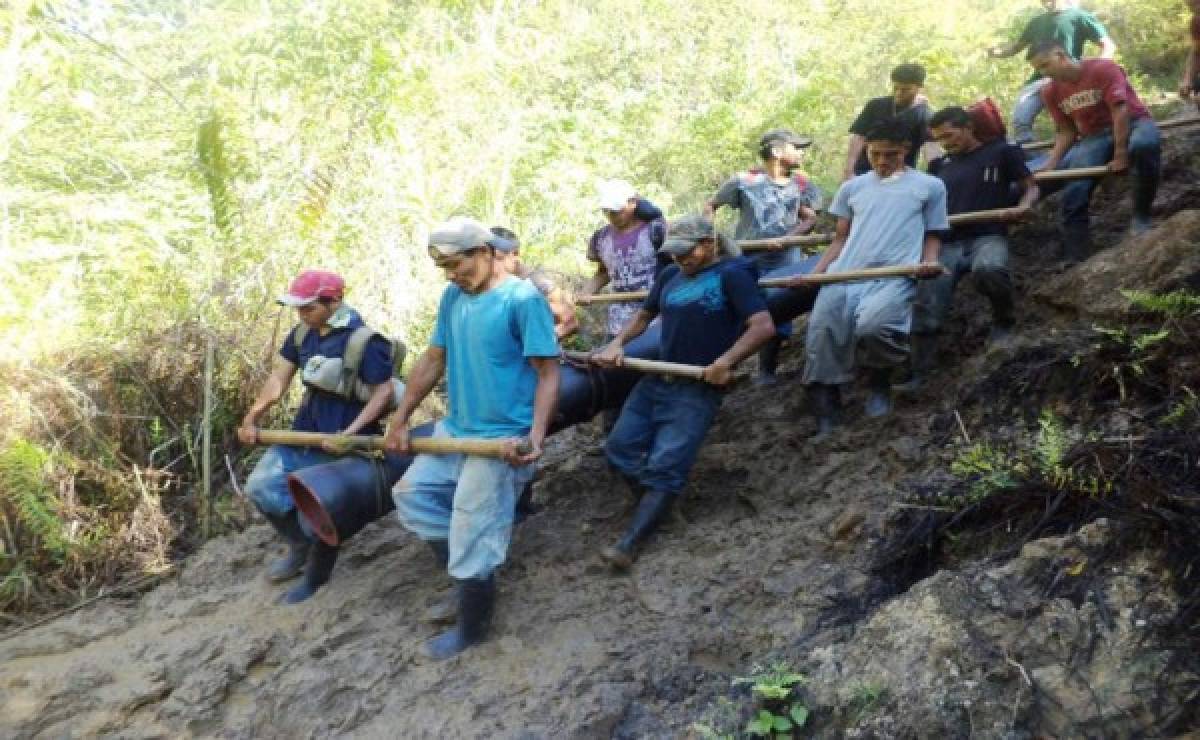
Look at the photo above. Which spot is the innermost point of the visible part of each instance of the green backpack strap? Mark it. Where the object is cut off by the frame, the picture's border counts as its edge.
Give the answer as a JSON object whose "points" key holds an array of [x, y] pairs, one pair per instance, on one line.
{"points": [[356, 347], [299, 332]]}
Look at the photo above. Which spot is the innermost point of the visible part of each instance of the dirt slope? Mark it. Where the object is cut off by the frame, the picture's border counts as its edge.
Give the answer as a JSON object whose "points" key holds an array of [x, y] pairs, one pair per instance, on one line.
{"points": [[773, 556]]}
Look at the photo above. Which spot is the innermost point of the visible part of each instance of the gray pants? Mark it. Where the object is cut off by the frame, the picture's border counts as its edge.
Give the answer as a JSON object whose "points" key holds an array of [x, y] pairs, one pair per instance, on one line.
{"points": [[986, 257], [853, 324]]}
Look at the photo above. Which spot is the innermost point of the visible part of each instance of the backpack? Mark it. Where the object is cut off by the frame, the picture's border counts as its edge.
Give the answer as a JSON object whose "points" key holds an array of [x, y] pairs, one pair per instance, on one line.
{"points": [[988, 123], [339, 375]]}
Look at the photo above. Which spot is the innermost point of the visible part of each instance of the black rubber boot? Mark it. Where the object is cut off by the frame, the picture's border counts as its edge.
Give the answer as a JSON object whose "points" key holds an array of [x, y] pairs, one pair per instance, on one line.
{"points": [[291, 564], [1076, 243], [525, 507], [317, 570], [825, 402], [768, 361], [476, 602], [445, 609], [921, 359], [650, 512], [879, 400]]}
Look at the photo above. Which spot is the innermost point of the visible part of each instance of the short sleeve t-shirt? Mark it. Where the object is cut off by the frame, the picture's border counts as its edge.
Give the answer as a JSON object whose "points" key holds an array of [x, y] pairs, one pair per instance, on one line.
{"points": [[703, 315], [1086, 103], [766, 209], [888, 218], [489, 338], [1071, 27], [877, 110], [631, 260], [979, 180], [322, 411]]}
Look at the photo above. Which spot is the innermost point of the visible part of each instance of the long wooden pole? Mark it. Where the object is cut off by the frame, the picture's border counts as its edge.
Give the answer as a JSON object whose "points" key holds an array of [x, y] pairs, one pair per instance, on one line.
{"points": [[1164, 125], [869, 273], [1077, 173], [420, 445], [677, 369], [803, 240]]}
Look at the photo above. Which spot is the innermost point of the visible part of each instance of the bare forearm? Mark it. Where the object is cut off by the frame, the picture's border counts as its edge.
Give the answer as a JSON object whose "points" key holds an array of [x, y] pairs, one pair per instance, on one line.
{"points": [[1120, 118], [544, 400], [634, 328], [1108, 48], [853, 150], [421, 381], [1030, 193], [596, 282], [931, 248], [374, 408], [759, 328], [1063, 139]]}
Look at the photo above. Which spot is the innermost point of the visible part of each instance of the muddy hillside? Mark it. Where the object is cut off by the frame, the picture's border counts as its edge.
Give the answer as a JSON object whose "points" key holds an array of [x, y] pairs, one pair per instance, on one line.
{"points": [[1010, 555]]}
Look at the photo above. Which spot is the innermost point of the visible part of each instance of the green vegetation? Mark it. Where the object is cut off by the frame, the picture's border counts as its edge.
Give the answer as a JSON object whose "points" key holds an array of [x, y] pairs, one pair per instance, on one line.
{"points": [[165, 167]]}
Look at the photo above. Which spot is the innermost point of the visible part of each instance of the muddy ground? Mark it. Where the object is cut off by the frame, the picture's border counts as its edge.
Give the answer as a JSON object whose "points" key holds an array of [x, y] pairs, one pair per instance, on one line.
{"points": [[774, 557]]}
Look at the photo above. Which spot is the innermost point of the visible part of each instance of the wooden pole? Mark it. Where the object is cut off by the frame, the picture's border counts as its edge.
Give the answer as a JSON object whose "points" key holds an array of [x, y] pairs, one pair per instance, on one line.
{"points": [[1077, 173], [826, 278], [206, 477], [420, 445], [804, 240], [677, 369], [979, 217], [1163, 126]]}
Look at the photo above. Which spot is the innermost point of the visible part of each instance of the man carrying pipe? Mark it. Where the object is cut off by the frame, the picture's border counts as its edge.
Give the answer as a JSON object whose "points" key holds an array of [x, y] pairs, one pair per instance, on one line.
{"points": [[1098, 118], [892, 215], [318, 347], [775, 201], [494, 341], [978, 177], [714, 316]]}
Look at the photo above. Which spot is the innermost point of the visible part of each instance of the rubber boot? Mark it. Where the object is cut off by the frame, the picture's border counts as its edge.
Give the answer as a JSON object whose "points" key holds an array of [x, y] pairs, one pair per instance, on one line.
{"points": [[650, 512], [525, 507], [921, 359], [1076, 243], [879, 400], [1145, 188], [476, 602], [445, 609], [291, 564], [825, 401], [317, 570], [768, 361]]}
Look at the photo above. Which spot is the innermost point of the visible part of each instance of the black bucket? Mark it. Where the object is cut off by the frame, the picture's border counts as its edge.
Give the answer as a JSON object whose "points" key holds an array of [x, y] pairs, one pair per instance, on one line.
{"points": [[338, 499]]}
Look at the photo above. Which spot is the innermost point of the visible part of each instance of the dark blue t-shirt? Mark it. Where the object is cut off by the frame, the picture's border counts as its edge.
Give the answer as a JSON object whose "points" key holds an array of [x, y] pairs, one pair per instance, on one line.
{"points": [[325, 412], [980, 180], [703, 315]]}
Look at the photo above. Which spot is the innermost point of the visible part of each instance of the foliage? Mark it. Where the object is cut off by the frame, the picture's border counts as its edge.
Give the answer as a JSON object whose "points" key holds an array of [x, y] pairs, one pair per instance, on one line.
{"points": [[779, 712]]}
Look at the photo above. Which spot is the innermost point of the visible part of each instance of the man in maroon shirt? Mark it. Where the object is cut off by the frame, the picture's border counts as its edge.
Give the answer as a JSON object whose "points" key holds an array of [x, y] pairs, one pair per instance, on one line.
{"points": [[1098, 120]]}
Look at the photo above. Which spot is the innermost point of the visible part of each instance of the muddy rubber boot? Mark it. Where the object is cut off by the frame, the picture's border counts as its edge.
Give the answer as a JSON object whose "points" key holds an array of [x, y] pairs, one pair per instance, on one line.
{"points": [[825, 401], [476, 602], [768, 362], [879, 400], [650, 512], [317, 570], [291, 564], [525, 507], [921, 359], [1003, 321], [1076, 243], [445, 609]]}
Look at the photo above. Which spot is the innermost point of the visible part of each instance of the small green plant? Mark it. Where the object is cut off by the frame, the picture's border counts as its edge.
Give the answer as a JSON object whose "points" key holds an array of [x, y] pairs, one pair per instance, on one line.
{"points": [[1181, 410], [866, 698], [1174, 305], [779, 710], [989, 469]]}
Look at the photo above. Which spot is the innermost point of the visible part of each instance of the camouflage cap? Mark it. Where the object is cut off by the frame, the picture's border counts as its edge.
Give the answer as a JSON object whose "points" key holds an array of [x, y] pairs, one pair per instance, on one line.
{"points": [[784, 136], [684, 233]]}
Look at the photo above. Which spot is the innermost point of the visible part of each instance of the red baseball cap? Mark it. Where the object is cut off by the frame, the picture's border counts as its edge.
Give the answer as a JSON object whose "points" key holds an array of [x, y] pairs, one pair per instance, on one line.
{"points": [[311, 285]]}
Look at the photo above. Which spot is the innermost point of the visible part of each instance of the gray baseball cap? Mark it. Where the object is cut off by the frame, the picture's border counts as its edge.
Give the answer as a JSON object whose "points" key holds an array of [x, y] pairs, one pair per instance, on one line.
{"points": [[684, 233], [461, 234]]}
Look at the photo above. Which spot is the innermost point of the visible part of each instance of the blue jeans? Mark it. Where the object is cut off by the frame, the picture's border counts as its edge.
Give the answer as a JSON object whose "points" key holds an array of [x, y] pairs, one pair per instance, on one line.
{"points": [[467, 501], [267, 485], [1026, 108], [770, 261], [1145, 155], [659, 433]]}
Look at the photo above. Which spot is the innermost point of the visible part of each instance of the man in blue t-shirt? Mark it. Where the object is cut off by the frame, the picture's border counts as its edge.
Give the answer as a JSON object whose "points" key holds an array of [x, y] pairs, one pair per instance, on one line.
{"points": [[495, 344], [326, 325], [978, 176], [892, 215], [714, 316]]}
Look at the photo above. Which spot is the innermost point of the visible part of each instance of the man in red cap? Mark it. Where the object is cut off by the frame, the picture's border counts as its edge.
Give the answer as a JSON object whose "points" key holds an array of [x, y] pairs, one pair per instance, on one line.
{"points": [[347, 374]]}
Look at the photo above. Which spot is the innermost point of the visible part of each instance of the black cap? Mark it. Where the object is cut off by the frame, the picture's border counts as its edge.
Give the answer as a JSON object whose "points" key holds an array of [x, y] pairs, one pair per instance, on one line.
{"points": [[783, 136]]}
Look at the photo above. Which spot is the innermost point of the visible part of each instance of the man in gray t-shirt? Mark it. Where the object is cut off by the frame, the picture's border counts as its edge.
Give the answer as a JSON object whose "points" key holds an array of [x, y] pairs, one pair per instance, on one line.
{"points": [[774, 200], [888, 216]]}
